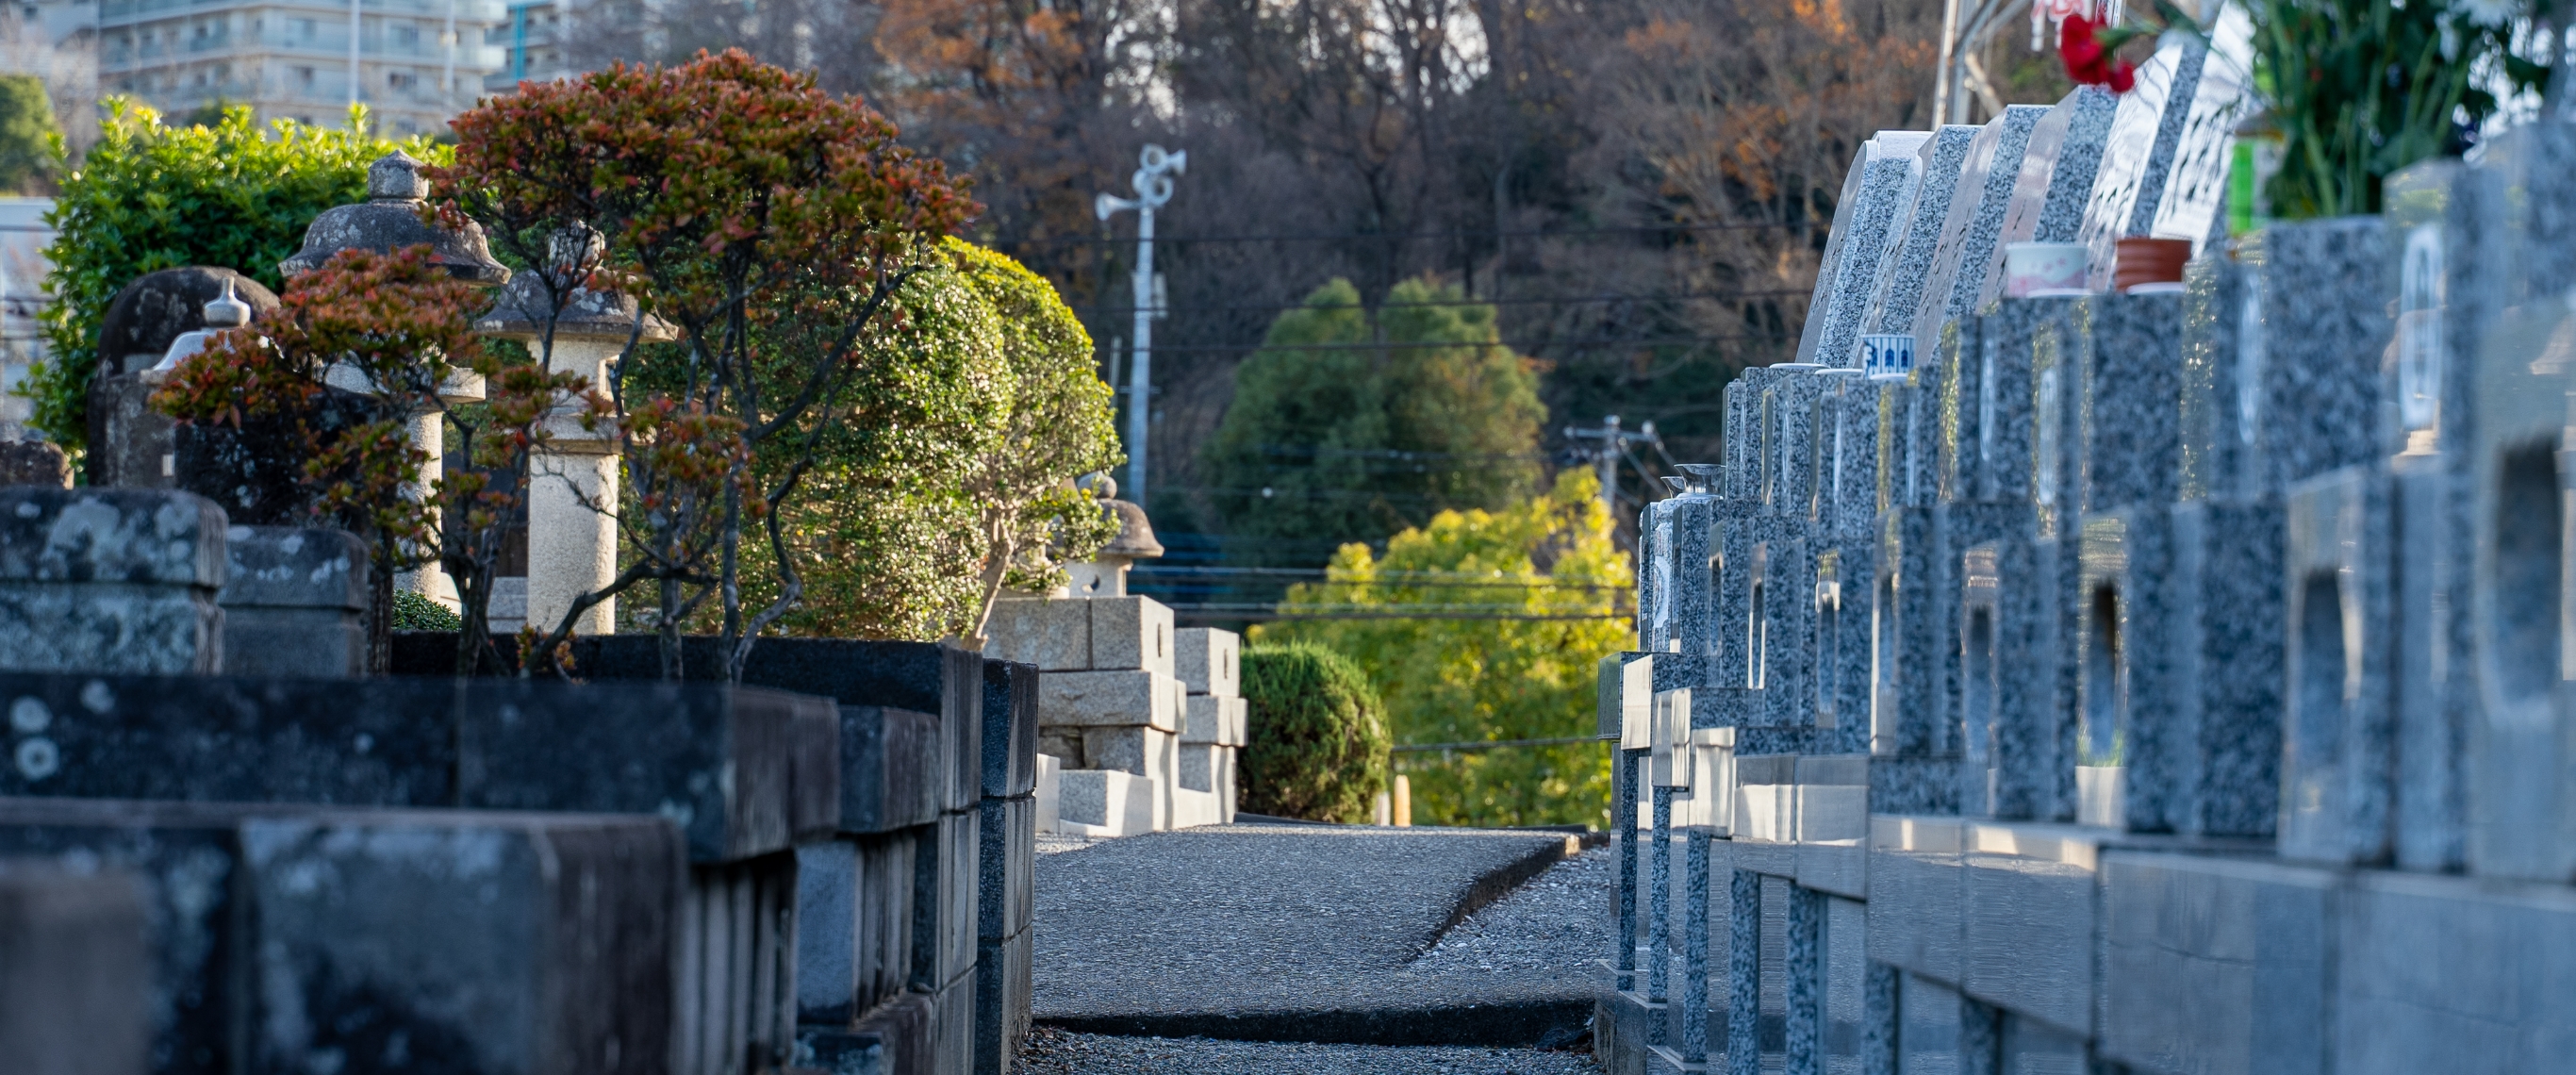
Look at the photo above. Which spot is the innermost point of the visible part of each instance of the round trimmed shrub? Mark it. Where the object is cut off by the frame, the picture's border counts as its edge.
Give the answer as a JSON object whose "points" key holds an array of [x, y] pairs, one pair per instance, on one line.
{"points": [[1318, 743]]}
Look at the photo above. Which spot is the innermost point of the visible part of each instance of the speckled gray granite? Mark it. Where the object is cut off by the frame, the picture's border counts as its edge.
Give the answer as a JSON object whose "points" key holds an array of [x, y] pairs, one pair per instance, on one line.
{"points": [[1975, 222], [2339, 745], [1050, 1051], [1875, 191], [2056, 180], [2326, 327], [2195, 195], [1298, 933], [1898, 291]]}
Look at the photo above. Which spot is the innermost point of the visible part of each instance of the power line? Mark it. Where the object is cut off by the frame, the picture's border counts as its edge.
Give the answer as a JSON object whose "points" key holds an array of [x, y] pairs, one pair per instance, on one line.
{"points": [[1578, 301], [1226, 610], [1489, 744], [1660, 341], [1299, 237]]}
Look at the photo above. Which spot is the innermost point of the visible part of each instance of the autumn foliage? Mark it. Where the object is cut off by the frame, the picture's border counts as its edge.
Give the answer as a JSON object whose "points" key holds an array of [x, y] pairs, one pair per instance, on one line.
{"points": [[769, 222]]}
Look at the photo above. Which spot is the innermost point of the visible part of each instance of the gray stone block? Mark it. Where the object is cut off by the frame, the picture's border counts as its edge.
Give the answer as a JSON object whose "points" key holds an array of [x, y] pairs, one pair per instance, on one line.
{"points": [[2216, 965], [1916, 896], [1010, 736], [719, 761], [294, 601], [110, 580], [2027, 935], [2229, 604], [2058, 169], [1971, 233], [945, 902], [2326, 333], [1881, 180], [2449, 974], [1109, 698], [1131, 632], [132, 444], [75, 972], [1147, 752], [894, 1038], [737, 960], [1053, 634], [1006, 867], [289, 936], [1002, 992], [2139, 155], [2339, 741], [1898, 291], [889, 768], [1209, 719], [1209, 659]]}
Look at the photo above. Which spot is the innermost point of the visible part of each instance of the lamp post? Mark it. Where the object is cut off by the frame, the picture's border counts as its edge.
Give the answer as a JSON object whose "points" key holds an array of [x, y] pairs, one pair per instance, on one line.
{"points": [[1153, 183]]}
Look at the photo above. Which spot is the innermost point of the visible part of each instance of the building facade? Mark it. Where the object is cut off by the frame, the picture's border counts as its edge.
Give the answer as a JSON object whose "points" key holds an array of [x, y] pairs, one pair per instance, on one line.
{"points": [[413, 63]]}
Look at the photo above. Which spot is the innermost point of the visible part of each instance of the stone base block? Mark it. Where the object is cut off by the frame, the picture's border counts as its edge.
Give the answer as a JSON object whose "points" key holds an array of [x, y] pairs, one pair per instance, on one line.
{"points": [[1106, 802], [735, 966], [1210, 719], [75, 975], [1054, 635], [109, 627], [1115, 697], [890, 771], [1010, 727], [2216, 965], [1622, 1029], [1191, 809], [1210, 660], [1131, 632], [1151, 753]]}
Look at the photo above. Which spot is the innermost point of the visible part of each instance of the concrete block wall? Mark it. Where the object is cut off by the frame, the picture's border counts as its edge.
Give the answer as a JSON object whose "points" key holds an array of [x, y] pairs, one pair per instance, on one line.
{"points": [[2211, 718]]}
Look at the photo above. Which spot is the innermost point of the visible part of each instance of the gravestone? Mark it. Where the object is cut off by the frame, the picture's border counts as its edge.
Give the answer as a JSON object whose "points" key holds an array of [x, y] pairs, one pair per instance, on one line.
{"points": [[1972, 232], [2058, 168], [130, 443], [2139, 154], [1882, 178], [1903, 274]]}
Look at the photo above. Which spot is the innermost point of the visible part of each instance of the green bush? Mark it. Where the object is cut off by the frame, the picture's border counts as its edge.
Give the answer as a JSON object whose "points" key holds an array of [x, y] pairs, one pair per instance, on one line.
{"points": [[416, 612], [150, 196], [1318, 745]]}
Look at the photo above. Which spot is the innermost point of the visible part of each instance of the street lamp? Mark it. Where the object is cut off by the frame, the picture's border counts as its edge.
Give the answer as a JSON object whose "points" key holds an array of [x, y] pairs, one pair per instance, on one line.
{"points": [[1153, 183]]}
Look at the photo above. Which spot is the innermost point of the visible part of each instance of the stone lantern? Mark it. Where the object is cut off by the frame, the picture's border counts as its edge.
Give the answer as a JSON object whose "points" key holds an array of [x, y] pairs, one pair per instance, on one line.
{"points": [[388, 220], [572, 544], [1106, 574]]}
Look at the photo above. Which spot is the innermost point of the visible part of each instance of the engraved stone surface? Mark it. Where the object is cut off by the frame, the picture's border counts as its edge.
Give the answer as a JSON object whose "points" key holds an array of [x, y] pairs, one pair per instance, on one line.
{"points": [[1971, 234], [1898, 291], [1882, 179]]}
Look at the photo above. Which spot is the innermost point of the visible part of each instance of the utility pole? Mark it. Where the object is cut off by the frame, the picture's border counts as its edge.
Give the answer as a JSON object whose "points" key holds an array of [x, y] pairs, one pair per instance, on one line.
{"points": [[1153, 184], [1612, 443]]}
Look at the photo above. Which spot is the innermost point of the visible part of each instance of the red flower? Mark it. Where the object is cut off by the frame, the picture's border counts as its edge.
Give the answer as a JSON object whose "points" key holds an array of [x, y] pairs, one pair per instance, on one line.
{"points": [[2087, 62]]}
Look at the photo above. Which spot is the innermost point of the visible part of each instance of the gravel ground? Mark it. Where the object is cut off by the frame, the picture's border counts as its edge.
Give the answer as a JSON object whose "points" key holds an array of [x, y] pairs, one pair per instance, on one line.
{"points": [[1318, 934], [1554, 924], [1056, 1052]]}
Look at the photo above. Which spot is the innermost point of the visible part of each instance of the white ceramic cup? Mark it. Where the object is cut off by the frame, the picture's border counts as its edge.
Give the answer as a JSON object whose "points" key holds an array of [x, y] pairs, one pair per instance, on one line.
{"points": [[2043, 269]]}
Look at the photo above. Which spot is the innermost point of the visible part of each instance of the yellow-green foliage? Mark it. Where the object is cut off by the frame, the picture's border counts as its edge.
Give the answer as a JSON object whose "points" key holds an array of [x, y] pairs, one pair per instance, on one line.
{"points": [[1318, 746], [1468, 680], [953, 452]]}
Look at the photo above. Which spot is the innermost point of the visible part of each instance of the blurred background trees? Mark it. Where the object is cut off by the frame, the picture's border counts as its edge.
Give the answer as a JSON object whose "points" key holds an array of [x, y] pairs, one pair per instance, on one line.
{"points": [[1637, 191]]}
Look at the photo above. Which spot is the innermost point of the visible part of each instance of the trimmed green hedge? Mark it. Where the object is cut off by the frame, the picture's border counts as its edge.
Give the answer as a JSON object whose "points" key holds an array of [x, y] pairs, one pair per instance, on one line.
{"points": [[1318, 745]]}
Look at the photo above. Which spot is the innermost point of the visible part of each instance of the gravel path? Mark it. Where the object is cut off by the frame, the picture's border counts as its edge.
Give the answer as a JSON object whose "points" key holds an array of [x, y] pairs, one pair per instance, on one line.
{"points": [[1320, 934], [1057, 1052]]}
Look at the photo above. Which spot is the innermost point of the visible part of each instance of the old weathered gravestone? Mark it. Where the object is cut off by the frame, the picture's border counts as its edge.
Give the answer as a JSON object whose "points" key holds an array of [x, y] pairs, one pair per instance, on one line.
{"points": [[130, 442]]}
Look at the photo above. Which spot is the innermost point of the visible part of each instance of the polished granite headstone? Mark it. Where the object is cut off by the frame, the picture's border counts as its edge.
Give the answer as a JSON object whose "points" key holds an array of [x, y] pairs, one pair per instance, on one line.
{"points": [[1882, 179], [1972, 232], [1902, 274]]}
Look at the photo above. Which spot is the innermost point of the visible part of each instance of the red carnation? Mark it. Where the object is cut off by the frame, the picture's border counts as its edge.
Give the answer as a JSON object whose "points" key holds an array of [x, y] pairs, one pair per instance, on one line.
{"points": [[2087, 62]]}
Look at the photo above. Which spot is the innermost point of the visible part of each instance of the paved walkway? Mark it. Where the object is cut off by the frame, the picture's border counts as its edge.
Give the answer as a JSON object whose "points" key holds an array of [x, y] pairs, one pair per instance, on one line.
{"points": [[1346, 936]]}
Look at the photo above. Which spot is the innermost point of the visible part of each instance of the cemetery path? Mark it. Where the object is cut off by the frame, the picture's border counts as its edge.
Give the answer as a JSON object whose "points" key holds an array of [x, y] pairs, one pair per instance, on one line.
{"points": [[1349, 936]]}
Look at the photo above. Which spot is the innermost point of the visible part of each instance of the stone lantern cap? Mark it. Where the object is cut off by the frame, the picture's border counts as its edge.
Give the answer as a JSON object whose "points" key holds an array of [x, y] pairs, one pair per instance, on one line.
{"points": [[520, 313], [390, 219], [1135, 540]]}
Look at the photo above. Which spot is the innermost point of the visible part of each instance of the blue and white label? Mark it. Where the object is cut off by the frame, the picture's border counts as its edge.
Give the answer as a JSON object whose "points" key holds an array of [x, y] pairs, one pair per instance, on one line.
{"points": [[1887, 357]]}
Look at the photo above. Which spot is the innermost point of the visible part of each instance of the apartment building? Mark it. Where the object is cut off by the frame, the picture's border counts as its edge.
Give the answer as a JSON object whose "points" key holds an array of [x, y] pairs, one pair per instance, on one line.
{"points": [[413, 63]]}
